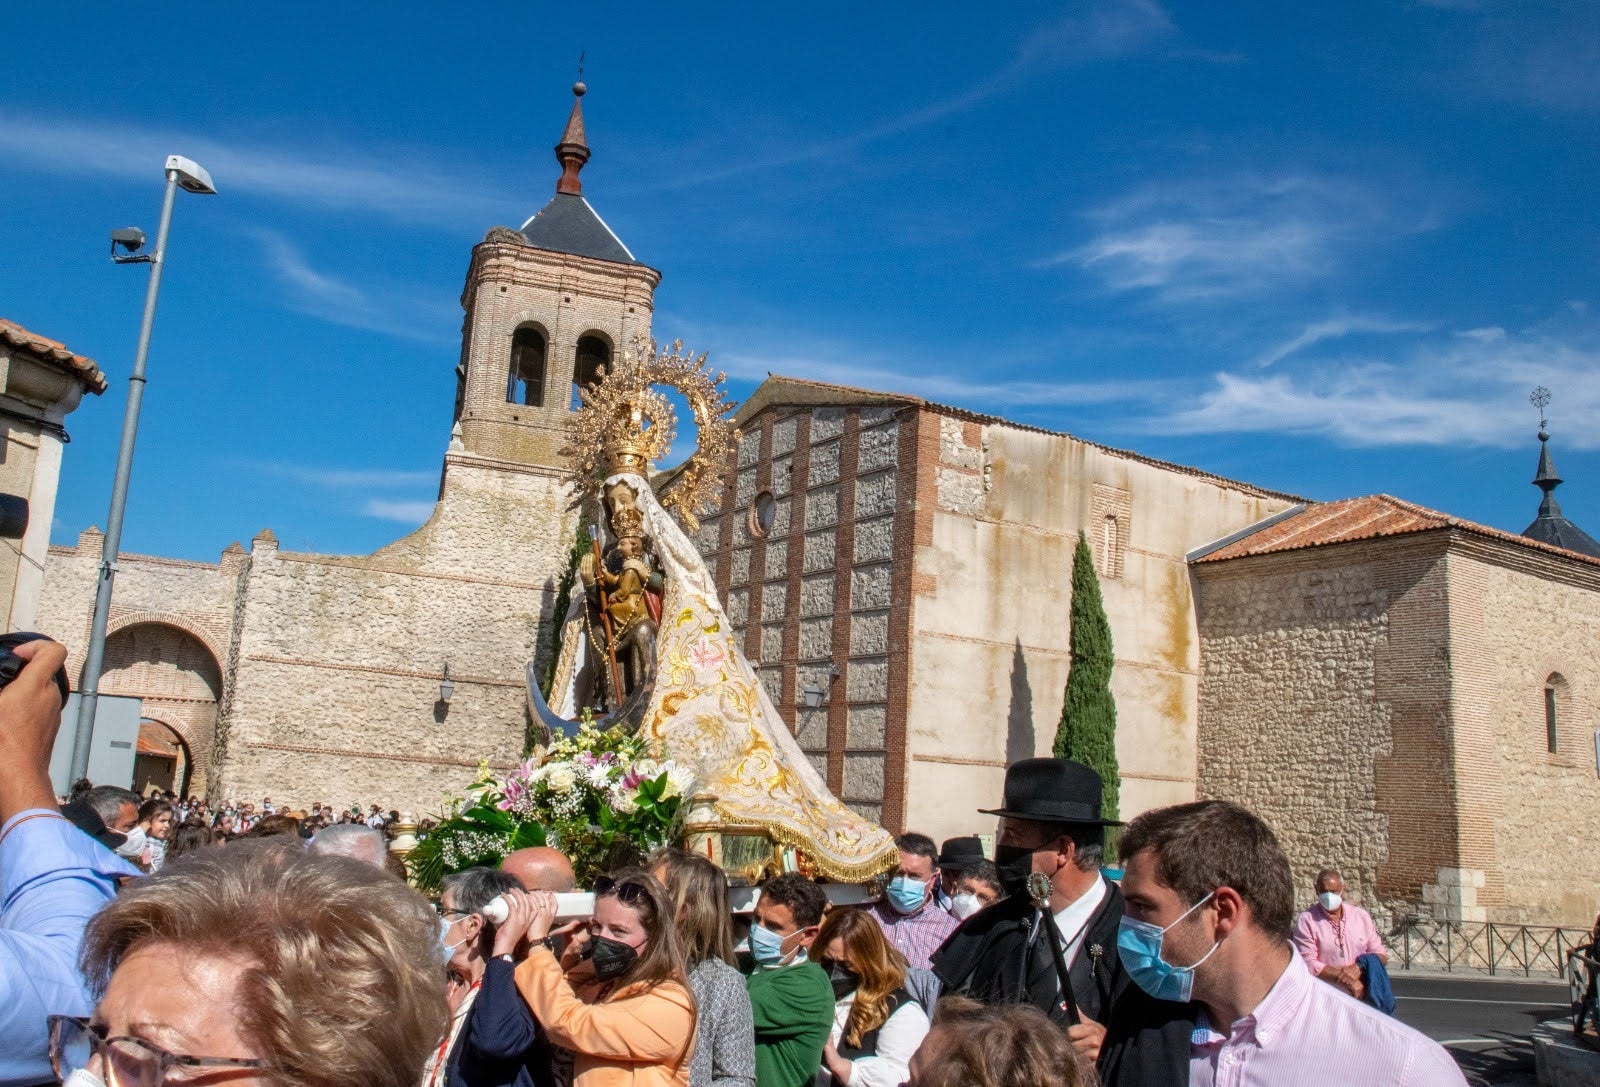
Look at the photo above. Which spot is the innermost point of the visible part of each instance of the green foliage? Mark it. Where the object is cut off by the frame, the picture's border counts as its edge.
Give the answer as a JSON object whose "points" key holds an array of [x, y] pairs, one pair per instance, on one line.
{"points": [[480, 835], [1088, 729], [580, 545]]}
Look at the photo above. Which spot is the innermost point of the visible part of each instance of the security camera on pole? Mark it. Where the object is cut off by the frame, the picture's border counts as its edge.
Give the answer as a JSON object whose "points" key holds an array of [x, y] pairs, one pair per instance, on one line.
{"points": [[191, 177]]}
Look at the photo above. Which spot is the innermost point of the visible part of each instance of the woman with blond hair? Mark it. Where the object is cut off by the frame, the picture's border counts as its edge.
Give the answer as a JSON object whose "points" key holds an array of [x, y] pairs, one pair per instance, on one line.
{"points": [[876, 1024], [725, 1033], [258, 965], [619, 997]]}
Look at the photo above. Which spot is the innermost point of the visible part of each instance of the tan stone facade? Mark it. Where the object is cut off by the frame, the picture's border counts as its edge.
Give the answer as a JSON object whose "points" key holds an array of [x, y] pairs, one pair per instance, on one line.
{"points": [[1382, 703], [313, 678], [915, 576]]}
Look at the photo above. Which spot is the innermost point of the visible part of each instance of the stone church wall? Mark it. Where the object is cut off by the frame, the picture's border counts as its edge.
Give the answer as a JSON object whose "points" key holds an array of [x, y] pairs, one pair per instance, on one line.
{"points": [[336, 694], [1518, 624]]}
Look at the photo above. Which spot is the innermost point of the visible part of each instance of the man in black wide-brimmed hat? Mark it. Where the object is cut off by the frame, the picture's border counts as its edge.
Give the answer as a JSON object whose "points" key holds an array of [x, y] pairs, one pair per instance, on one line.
{"points": [[1060, 916]]}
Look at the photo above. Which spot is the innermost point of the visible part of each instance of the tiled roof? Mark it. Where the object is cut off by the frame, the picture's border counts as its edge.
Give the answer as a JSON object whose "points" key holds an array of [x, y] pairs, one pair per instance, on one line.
{"points": [[778, 389], [54, 351], [1368, 518]]}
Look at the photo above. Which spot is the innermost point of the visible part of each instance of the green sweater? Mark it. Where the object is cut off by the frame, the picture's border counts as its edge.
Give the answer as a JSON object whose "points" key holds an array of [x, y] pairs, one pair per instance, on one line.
{"points": [[793, 1008]]}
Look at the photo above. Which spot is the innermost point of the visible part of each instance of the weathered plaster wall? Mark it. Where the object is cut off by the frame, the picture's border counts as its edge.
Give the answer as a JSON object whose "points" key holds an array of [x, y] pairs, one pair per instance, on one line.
{"points": [[991, 632]]}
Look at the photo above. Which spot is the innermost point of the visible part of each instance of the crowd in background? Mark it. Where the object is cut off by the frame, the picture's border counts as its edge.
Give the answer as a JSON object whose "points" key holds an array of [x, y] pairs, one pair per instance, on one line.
{"points": [[293, 953]]}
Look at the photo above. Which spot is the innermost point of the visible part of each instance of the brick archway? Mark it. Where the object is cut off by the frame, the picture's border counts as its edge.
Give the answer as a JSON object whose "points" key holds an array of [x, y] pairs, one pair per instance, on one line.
{"points": [[176, 675]]}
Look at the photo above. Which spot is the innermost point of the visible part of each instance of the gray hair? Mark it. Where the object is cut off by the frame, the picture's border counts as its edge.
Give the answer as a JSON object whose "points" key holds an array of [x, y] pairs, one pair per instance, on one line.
{"points": [[1328, 873], [351, 840], [107, 801], [473, 889]]}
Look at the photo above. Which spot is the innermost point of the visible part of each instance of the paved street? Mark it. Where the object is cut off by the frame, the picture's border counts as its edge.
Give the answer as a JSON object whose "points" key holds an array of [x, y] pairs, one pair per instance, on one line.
{"points": [[1484, 1021]]}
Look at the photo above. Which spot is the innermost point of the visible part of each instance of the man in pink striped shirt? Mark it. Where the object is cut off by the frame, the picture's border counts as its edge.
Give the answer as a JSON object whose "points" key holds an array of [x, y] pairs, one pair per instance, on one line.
{"points": [[1333, 933], [1206, 935]]}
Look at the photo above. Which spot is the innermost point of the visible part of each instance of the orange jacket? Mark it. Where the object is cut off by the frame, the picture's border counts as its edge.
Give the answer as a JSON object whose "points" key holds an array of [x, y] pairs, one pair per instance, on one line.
{"points": [[634, 1037]]}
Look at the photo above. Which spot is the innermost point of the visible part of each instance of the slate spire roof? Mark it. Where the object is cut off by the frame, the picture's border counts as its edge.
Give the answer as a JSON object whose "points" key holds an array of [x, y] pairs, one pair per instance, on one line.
{"points": [[1552, 526], [567, 224]]}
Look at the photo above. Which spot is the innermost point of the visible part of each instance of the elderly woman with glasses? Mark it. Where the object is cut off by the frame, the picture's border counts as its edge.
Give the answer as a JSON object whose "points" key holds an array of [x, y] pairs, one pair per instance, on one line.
{"points": [[619, 996], [258, 965]]}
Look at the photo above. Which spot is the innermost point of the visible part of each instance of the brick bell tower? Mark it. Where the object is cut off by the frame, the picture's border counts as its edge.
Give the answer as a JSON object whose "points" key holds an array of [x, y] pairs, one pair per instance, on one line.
{"points": [[545, 306]]}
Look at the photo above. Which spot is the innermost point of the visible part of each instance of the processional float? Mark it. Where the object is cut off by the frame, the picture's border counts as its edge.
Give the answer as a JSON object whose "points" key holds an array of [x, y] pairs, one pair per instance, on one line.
{"points": [[646, 646]]}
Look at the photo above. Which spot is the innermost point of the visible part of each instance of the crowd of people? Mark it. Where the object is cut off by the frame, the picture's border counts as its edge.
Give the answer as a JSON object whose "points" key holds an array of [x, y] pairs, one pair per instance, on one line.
{"points": [[277, 958]]}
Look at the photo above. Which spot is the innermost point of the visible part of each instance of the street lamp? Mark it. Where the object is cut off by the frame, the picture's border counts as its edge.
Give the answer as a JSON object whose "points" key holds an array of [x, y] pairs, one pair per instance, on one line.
{"points": [[191, 177], [447, 687]]}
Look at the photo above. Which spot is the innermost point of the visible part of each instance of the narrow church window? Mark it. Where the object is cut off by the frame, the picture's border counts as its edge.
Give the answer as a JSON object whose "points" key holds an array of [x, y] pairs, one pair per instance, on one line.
{"points": [[525, 381], [1552, 690], [594, 351], [1110, 540], [763, 513]]}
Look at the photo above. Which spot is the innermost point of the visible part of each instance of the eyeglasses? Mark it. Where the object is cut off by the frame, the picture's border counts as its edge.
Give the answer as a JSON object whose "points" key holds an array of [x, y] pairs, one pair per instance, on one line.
{"points": [[127, 1062], [627, 892], [448, 913]]}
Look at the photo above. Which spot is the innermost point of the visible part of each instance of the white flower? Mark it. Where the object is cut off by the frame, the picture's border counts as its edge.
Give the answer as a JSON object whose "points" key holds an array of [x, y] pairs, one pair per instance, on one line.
{"points": [[648, 769], [679, 780], [560, 776], [598, 775], [623, 801]]}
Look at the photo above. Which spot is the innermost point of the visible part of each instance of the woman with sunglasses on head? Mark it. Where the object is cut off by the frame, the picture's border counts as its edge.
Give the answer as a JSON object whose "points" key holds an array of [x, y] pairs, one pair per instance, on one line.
{"points": [[619, 997], [725, 1035], [876, 1024], [258, 965]]}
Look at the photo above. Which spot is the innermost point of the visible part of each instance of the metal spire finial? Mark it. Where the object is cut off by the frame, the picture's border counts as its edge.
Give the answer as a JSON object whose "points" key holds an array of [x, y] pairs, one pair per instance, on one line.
{"points": [[1540, 399]]}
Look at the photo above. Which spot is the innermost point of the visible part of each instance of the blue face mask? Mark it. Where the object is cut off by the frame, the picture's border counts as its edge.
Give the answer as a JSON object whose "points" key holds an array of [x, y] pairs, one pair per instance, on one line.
{"points": [[906, 894], [1139, 949], [766, 946]]}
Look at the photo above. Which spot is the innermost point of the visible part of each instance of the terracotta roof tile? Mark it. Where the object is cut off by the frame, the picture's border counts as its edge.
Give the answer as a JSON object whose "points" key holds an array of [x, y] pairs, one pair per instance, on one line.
{"points": [[1368, 518], [55, 351]]}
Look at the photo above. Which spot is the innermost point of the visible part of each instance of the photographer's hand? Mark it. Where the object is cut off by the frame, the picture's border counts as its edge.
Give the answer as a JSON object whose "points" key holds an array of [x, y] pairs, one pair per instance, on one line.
{"points": [[30, 716]]}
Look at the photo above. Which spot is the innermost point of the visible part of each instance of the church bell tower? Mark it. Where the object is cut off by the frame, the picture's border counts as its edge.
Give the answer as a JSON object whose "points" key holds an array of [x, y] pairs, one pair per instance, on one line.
{"points": [[546, 305]]}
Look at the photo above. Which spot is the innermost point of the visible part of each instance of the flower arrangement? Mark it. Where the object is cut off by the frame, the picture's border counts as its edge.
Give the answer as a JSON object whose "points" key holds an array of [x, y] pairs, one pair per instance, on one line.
{"points": [[601, 797]]}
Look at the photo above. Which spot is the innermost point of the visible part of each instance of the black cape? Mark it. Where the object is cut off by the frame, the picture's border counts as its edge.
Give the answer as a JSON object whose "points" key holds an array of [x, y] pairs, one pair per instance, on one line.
{"points": [[996, 957]]}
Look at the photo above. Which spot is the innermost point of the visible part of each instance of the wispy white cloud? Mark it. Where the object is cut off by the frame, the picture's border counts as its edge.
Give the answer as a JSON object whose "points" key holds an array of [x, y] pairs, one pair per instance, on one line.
{"points": [[750, 353], [1102, 30], [1540, 55], [407, 185], [407, 313], [1201, 239], [410, 513], [1446, 389], [1337, 328]]}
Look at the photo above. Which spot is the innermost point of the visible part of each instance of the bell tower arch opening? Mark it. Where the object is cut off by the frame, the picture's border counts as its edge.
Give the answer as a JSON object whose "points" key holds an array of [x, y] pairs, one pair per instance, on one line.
{"points": [[547, 305]]}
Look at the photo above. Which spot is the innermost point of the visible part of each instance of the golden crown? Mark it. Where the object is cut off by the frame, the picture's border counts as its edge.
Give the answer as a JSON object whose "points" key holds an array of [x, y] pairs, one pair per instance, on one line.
{"points": [[625, 424]]}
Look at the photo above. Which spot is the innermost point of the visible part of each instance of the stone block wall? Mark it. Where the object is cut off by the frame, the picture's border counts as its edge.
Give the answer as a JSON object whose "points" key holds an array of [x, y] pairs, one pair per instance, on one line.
{"points": [[339, 660], [815, 597], [1521, 619], [1293, 712]]}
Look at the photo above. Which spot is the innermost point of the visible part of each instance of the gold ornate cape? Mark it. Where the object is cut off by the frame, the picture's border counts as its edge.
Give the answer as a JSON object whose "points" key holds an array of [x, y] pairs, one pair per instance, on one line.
{"points": [[711, 713]]}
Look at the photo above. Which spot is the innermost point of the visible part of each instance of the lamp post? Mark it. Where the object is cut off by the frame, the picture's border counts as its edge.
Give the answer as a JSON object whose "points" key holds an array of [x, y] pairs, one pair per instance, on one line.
{"points": [[191, 177]]}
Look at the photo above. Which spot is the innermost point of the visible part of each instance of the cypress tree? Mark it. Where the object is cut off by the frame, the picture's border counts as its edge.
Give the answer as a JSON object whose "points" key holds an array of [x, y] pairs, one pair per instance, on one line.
{"points": [[1088, 729]]}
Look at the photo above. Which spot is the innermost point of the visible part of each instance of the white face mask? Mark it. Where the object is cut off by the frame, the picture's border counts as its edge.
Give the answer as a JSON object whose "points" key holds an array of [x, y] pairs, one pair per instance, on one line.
{"points": [[964, 905], [82, 1077], [1330, 901], [134, 845]]}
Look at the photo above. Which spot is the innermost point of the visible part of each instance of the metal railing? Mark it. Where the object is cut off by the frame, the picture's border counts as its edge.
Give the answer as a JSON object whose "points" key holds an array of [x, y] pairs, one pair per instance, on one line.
{"points": [[1583, 972], [1483, 947]]}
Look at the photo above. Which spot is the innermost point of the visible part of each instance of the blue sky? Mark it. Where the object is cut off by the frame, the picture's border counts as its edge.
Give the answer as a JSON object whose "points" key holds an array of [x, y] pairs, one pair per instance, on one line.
{"points": [[1326, 248]]}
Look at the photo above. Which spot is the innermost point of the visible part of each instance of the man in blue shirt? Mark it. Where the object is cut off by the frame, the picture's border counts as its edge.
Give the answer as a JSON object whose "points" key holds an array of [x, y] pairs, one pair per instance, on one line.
{"points": [[53, 877]]}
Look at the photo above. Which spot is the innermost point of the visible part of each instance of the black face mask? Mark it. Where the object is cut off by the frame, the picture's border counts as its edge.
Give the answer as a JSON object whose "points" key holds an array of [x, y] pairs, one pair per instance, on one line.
{"points": [[1015, 863], [845, 980], [611, 958]]}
